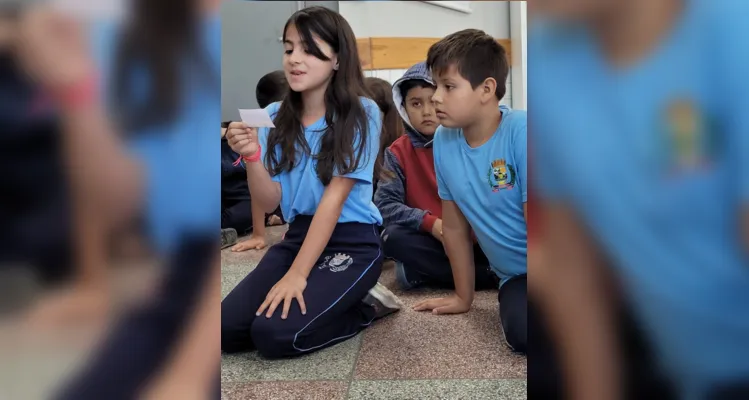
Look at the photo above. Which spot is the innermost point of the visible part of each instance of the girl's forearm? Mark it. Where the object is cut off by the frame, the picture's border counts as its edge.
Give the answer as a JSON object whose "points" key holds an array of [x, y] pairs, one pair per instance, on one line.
{"points": [[101, 170], [264, 192], [91, 238], [103, 198]]}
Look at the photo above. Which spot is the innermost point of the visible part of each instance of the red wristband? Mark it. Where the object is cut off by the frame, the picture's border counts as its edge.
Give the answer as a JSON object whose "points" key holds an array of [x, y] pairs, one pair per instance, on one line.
{"points": [[80, 94], [253, 158]]}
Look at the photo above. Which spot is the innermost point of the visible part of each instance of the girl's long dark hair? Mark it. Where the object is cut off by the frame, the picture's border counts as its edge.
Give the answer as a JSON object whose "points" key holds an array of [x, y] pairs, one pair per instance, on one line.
{"points": [[344, 113], [159, 38], [392, 126]]}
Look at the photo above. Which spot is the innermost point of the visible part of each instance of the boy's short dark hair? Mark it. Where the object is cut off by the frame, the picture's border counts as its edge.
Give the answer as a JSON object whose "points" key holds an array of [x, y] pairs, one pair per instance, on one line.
{"points": [[272, 87], [409, 84], [475, 55]]}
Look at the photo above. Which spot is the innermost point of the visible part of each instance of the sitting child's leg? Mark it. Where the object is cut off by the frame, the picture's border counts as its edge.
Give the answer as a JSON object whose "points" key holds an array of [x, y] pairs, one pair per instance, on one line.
{"points": [[513, 312], [237, 215], [421, 258]]}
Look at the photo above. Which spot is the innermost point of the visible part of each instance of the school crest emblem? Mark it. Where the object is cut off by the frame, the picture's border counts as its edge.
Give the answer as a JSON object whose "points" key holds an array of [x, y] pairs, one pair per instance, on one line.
{"points": [[690, 139], [501, 175], [338, 262]]}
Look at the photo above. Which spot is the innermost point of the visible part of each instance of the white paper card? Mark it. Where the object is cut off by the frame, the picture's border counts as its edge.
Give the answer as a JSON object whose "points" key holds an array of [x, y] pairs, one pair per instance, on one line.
{"points": [[257, 118]]}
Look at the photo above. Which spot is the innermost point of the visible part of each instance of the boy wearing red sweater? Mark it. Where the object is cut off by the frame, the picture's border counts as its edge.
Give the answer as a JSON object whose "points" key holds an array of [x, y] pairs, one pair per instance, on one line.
{"points": [[407, 197]]}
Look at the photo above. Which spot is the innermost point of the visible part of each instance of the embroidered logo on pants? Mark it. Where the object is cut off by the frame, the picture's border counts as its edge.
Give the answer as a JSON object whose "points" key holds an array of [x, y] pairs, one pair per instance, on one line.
{"points": [[337, 263]]}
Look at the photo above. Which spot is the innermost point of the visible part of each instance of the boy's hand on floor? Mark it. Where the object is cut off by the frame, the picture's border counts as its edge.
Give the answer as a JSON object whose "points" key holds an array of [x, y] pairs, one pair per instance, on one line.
{"points": [[253, 243], [290, 287], [444, 305]]}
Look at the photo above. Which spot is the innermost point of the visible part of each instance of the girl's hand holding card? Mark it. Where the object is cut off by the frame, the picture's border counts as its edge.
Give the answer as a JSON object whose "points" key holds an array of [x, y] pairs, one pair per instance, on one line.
{"points": [[242, 139]]}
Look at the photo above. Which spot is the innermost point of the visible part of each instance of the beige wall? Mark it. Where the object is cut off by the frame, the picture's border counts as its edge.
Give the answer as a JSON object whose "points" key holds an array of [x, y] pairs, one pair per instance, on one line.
{"points": [[420, 19]]}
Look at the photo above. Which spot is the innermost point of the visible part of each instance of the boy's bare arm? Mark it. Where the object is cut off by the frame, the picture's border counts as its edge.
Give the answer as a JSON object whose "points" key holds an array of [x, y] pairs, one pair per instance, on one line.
{"points": [[456, 234], [571, 287], [457, 239]]}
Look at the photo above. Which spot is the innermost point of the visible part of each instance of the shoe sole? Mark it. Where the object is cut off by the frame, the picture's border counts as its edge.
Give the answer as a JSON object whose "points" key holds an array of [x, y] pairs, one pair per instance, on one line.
{"points": [[386, 297], [230, 236]]}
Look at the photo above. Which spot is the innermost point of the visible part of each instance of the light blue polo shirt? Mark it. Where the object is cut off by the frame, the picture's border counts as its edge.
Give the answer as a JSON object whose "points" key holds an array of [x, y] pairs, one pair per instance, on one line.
{"points": [[654, 158], [301, 189], [489, 184]]}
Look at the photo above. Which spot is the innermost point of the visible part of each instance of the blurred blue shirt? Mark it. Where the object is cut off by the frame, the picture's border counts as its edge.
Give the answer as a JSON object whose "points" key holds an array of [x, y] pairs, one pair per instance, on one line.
{"points": [[182, 157], [654, 158]]}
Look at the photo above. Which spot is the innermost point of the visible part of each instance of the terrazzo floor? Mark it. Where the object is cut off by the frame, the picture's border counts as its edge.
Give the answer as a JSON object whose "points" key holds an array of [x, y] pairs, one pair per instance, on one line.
{"points": [[408, 355]]}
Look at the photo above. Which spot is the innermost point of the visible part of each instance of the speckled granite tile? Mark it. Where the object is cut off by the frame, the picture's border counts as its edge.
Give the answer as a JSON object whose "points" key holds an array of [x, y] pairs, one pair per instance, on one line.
{"points": [[426, 346], [300, 390], [439, 390], [229, 280], [246, 261], [333, 363], [467, 346]]}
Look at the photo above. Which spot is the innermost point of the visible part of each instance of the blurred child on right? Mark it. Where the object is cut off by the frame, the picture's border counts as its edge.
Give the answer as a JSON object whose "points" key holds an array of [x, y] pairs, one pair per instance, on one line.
{"points": [[407, 197]]}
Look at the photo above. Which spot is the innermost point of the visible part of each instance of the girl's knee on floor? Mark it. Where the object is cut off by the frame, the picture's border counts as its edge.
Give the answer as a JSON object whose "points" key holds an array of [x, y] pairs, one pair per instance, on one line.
{"points": [[274, 337], [235, 333], [233, 341]]}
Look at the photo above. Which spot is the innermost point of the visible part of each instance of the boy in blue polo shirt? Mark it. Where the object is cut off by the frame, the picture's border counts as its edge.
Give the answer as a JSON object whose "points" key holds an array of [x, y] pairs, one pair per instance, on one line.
{"points": [[480, 162]]}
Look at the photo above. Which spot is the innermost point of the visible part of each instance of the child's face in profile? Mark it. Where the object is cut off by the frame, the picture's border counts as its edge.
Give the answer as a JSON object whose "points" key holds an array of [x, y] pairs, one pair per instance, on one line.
{"points": [[420, 110], [303, 70], [455, 100]]}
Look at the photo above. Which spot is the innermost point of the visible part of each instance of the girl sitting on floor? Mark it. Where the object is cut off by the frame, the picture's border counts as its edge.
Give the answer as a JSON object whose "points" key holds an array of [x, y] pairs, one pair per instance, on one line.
{"points": [[318, 164]]}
